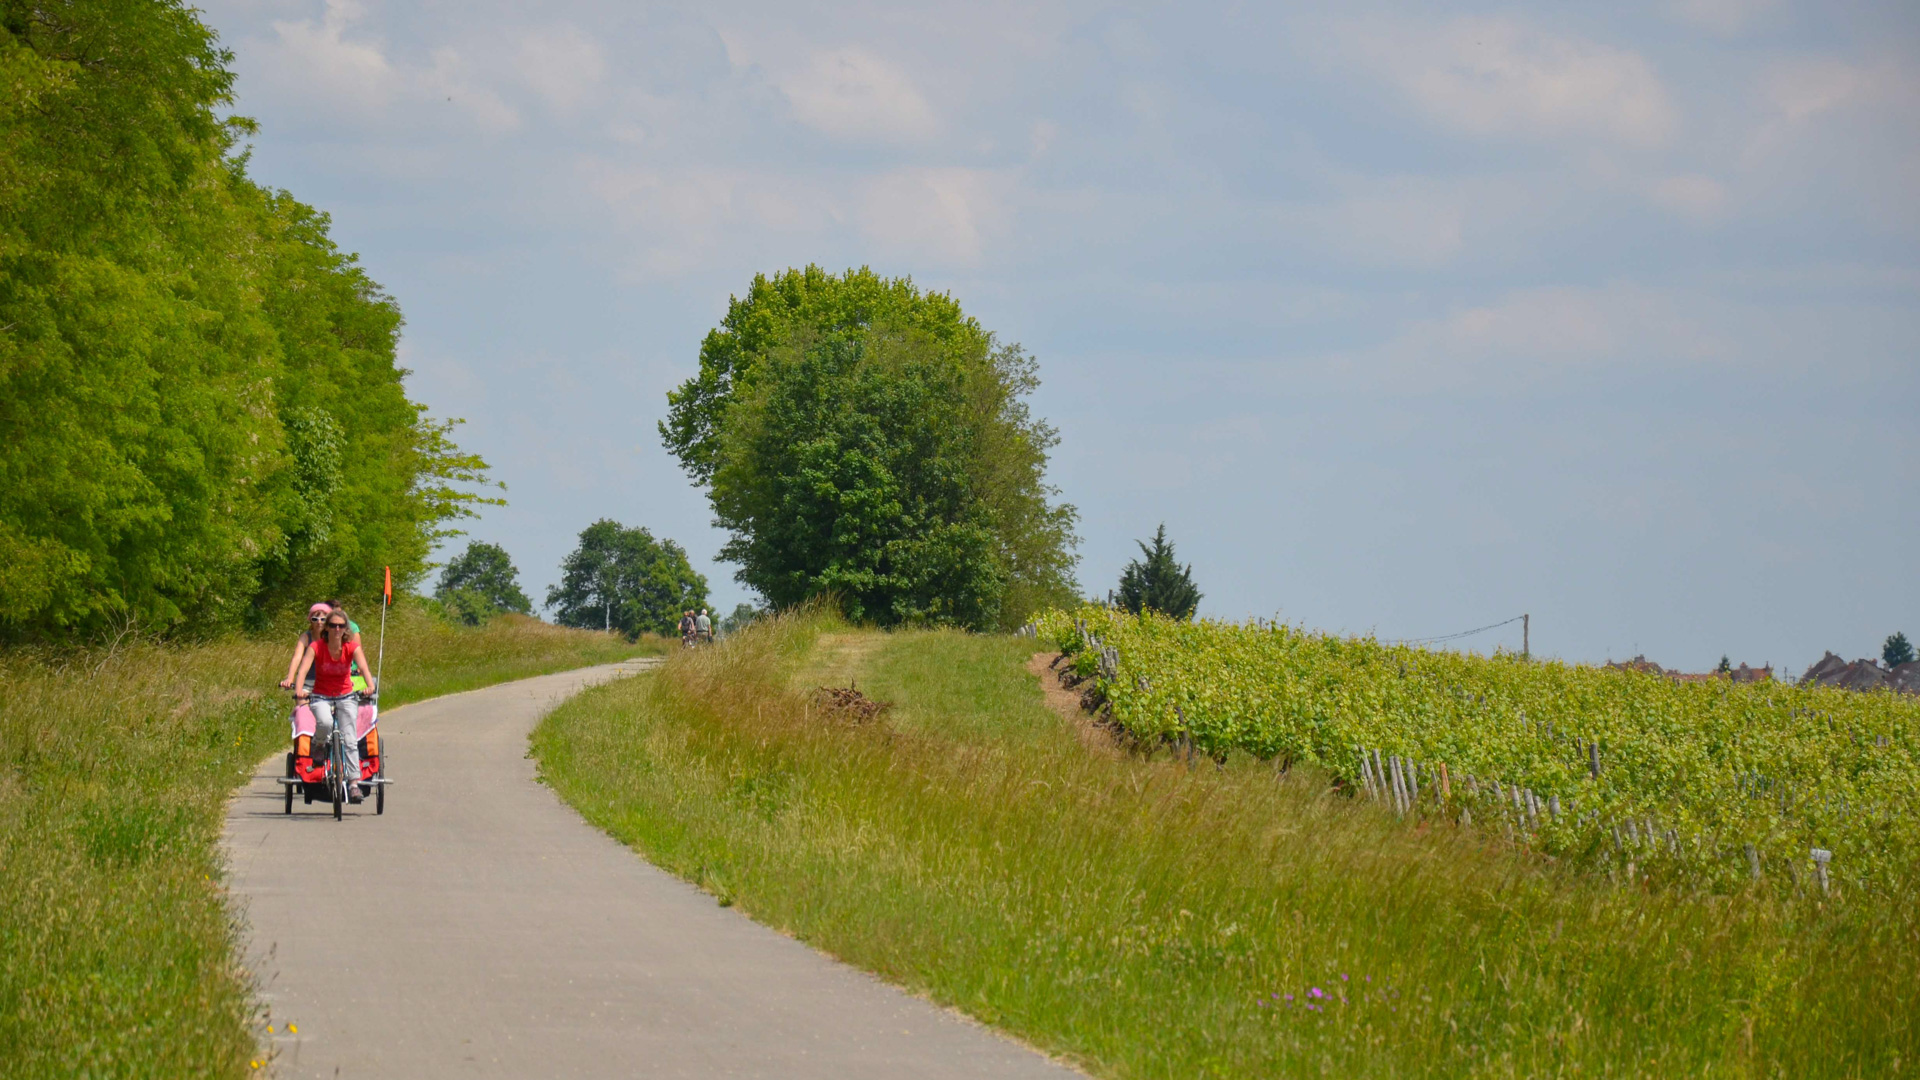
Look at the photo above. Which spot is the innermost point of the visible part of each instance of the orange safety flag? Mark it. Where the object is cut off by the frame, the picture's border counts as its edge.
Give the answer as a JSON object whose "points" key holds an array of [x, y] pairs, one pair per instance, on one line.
{"points": [[388, 592]]}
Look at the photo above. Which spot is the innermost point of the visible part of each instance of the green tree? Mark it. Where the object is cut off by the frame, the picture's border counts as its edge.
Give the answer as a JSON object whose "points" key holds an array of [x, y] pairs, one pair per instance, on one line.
{"points": [[201, 417], [863, 438], [1726, 666], [482, 581], [1158, 582], [1897, 650], [743, 615], [623, 579]]}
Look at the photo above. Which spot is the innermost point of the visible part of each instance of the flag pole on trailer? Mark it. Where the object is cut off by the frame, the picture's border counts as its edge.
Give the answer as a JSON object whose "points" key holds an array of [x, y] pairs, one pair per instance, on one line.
{"points": [[386, 601]]}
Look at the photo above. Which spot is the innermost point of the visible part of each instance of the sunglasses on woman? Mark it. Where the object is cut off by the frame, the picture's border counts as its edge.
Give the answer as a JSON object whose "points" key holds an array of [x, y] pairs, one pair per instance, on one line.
{"points": [[336, 626]]}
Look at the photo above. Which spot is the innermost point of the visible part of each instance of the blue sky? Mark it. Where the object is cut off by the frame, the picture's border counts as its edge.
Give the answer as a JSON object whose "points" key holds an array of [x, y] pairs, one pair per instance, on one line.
{"points": [[1405, 319]]}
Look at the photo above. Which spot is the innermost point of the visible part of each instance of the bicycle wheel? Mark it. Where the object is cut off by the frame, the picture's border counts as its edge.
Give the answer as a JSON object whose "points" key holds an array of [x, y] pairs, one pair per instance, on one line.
{"points": [[337, 766], [380, 790], [289, 787]]}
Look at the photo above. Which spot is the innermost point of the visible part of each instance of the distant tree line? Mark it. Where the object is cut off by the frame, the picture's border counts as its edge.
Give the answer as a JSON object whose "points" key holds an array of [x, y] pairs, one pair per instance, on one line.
{"points": [[201, 417], [618, 579]]}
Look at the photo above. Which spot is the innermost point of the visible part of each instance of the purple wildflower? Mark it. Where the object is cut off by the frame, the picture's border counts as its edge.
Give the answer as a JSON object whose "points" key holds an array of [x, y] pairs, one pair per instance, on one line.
{"points": [[1343, 977]]}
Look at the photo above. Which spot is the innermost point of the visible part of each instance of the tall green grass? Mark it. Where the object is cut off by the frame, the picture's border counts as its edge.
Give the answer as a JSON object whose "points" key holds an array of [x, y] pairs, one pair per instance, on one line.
{"points": [[1150, 921], [117, 948]]}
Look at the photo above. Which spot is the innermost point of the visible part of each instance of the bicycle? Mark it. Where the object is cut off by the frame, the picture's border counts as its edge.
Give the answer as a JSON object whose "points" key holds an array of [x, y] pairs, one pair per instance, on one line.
{"points": [[337, 781]]}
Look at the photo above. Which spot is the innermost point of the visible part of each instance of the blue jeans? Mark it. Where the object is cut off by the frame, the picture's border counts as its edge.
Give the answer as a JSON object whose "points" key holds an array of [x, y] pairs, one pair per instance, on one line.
{"points": [[346, 711]]}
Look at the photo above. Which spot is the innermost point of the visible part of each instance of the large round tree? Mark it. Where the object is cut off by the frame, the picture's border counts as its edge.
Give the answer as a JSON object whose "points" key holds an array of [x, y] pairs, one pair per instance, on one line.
{"points": [[863, 438], [482, 581], [623, 579]]}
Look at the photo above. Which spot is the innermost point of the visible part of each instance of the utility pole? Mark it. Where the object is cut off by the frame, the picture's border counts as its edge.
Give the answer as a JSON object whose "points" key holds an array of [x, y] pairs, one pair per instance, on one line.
{"points": [[1526, 636]]}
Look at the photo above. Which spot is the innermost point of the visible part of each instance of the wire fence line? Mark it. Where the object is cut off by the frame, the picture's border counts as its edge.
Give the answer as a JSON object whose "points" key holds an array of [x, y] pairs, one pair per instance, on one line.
{"points": [[1461, 634]]}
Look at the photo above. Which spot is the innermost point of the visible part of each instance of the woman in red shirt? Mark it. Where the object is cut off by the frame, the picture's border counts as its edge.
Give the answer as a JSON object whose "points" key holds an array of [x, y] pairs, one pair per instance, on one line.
{"points": [[332, 698]]}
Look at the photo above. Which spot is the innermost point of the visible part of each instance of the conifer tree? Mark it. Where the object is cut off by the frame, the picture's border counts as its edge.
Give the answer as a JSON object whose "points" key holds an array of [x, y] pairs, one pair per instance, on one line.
{"points": [[1897, 650], [1158, 583]]}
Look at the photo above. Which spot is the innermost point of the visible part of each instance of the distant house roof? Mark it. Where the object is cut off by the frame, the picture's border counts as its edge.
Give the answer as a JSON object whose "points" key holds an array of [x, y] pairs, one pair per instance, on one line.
{"points": [[1863, 675], [1742, 674]]}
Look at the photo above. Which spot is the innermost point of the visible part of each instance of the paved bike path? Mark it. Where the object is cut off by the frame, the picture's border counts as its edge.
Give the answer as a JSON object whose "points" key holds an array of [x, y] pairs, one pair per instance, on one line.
{"points": [[481, 928]]}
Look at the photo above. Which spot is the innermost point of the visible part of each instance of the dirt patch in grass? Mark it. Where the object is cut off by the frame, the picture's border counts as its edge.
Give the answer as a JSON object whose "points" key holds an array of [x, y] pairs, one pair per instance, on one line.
{"points": [[1054, 675]]}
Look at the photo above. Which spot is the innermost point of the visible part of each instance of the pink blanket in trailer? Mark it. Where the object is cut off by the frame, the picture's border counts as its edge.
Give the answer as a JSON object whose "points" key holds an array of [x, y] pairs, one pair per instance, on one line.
{"points": [[364, 721]]}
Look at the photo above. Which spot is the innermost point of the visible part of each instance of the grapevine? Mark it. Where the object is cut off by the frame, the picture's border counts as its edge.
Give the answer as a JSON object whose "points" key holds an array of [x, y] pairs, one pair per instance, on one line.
{"points": [[1719, 782]]}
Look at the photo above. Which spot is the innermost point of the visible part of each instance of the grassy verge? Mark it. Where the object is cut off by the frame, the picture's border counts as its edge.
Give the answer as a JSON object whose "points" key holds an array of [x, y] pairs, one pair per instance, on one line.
{"points": [[1150, 921], [117, 952]]}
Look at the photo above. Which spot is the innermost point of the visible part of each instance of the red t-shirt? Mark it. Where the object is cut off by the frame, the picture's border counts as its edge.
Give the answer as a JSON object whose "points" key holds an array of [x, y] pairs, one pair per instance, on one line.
{"points": [[333, 676]]}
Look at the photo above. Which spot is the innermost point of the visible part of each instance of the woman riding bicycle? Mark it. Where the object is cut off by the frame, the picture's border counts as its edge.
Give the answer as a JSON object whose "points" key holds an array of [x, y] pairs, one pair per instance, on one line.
{"points": [[333, 699], [316, 619]]}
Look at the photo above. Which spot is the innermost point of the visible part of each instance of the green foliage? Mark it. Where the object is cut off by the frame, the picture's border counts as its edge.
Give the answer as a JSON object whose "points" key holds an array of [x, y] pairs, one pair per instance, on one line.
{"points": [[808, 302], [865, 439], [1897, 650], [623, 579], [1725, 667], [1142, 918], [480, 582], [203, 418], [1783, 768], [742, 616], [846, 472], [1158, 584], [119, 954]]}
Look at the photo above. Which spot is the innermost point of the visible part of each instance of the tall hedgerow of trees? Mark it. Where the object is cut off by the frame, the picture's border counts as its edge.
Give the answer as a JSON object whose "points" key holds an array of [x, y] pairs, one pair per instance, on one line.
{"points": [[201, 418], [862, 438]]}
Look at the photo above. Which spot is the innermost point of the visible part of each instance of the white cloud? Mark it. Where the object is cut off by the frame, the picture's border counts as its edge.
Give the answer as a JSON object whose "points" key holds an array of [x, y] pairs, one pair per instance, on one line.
{"points": [[946, 213], [562, 65], [325, 68], [1701, 198], [318, 58], [450, 78], [1041, 136], [1497, 77], [1392, 224], [851, 93], [1723, 16], [1846, 132], [679, 218], [1534, 335], [1804, 89]]}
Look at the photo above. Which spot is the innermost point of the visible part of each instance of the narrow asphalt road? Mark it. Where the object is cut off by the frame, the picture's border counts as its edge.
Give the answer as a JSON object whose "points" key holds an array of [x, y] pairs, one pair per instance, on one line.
{"points": [[481, 928]]}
